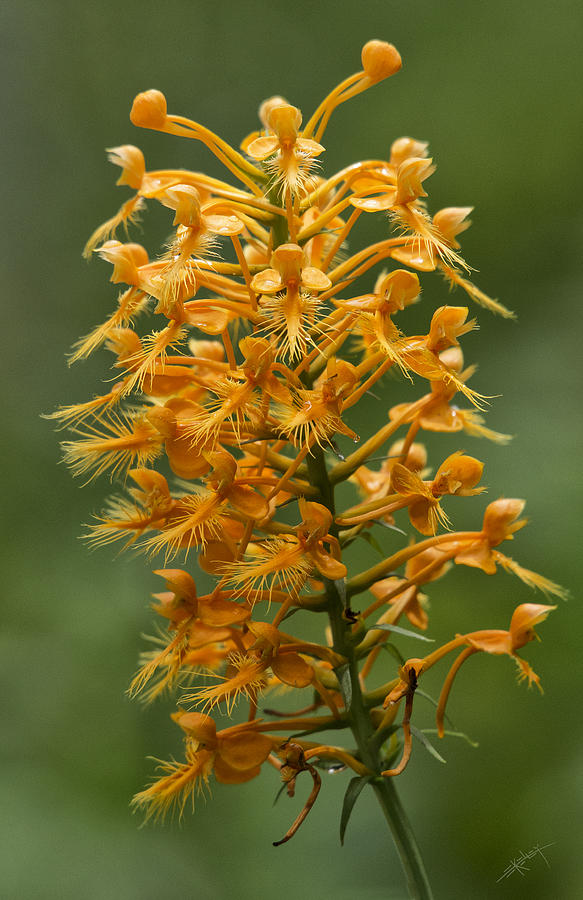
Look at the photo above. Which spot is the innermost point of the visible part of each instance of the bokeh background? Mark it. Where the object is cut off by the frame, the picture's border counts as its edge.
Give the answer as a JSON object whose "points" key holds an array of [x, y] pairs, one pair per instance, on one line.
{"points": [[496, 89]]}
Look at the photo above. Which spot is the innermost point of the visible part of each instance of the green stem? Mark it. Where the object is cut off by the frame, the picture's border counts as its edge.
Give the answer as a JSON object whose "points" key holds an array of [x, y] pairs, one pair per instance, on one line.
{"points": [[359, 717], [279, 229], [411, 860]]}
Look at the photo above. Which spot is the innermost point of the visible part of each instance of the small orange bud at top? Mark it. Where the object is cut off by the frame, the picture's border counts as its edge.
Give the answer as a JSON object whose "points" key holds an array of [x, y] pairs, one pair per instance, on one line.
{"points": [[149, 110], [380, 60]]}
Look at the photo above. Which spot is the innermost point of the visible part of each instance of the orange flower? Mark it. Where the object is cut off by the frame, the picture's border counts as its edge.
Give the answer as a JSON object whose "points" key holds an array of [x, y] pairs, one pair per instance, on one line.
{"points": [[289, 561], [292, 156], [436, 412], [316, 414], [289, 313], [500, 524], [497, 642], [233, 755], [457, 475]]}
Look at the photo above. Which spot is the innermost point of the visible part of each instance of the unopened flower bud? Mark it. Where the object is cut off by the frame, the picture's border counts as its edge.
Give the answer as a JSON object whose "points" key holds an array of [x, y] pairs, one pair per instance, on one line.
{"points": [[380, 60], [149, 110]]}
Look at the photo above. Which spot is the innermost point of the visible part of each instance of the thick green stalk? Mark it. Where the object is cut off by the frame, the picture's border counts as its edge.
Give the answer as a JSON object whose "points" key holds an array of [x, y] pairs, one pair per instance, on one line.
{"points": [[359, 717]]}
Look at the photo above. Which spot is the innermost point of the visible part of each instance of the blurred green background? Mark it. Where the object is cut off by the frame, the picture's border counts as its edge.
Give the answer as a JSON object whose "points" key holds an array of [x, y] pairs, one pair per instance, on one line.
{"points": [[496, 89]]}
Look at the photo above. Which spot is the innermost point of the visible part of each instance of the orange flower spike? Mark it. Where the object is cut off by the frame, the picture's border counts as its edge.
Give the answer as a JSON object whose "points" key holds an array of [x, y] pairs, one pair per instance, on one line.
{"points": [[496, 642], [252, 426]]}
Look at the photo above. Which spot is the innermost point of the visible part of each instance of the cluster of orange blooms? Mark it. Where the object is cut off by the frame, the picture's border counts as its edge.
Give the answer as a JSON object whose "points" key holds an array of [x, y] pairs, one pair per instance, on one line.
{"points": [[241, 394]]}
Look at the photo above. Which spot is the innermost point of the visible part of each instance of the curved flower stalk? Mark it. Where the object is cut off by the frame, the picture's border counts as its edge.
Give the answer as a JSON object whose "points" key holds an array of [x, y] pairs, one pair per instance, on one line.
{"points": [[239, 352]]}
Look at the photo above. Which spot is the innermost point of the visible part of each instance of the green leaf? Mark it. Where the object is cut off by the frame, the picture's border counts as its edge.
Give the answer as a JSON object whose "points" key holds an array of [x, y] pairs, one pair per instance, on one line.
{"points": [[291, 612], [395, 653], [343, 675], [390, 527], [434, 702], [367, 536], [398, 630], [352, 794], [279, 793], [457, 734], [427, 744]]}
